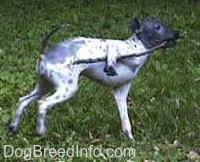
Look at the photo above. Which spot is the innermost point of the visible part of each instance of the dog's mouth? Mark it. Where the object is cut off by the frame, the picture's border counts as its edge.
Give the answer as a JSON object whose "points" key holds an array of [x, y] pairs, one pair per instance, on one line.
{"points": [[166, 43], [170, 42]]}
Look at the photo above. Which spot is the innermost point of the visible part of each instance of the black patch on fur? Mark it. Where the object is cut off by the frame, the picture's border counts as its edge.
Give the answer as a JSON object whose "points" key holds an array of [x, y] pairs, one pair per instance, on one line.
{"points": [[70, 81]]}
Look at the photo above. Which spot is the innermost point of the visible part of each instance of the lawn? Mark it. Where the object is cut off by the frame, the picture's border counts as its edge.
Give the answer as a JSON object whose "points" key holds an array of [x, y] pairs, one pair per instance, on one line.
{"points": [[164, 106]]}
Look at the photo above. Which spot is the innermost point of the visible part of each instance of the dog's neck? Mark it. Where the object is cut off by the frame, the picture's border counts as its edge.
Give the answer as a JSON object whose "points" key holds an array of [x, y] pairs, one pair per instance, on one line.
{"points": [[134, 40]]}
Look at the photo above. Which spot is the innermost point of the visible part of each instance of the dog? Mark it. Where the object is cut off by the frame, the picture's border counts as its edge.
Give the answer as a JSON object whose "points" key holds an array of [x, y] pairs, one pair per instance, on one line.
{"points": [[61, 66]]}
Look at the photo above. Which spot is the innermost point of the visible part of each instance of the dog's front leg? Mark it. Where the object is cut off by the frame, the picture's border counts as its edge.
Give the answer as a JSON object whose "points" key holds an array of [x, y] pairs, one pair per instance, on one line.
{"points": [[120, 95], [111, 60]]}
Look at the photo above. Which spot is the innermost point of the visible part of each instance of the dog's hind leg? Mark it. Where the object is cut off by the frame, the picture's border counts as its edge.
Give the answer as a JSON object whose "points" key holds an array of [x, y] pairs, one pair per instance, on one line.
{"points": [[66, 87], [120, 95], [40, 89]]}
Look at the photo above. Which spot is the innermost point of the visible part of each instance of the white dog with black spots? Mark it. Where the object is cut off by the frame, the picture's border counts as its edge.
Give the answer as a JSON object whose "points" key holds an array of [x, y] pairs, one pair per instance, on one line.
{"points": [[114, 63]]}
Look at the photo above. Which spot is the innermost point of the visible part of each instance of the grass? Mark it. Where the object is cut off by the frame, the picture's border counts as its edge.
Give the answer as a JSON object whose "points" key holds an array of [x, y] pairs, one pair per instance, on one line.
{"points": [[165, 106]]}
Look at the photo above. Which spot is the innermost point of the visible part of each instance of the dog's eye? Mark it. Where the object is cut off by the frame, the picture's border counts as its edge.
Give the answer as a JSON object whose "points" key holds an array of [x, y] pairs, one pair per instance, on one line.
{"points": [[157, 27]]}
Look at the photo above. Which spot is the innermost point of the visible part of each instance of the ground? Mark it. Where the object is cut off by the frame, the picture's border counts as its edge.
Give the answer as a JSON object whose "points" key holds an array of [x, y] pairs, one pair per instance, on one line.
{"points": [[164, 102]]}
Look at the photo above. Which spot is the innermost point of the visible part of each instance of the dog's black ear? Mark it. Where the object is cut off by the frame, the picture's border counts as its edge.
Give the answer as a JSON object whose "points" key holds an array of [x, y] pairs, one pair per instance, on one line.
{"points": [[134, 25]]}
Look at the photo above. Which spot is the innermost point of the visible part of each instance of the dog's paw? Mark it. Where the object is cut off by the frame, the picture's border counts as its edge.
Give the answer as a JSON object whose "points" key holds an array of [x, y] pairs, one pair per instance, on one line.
{"points": [[41, 130], [129, 134], [110, 71], [12, 128]]}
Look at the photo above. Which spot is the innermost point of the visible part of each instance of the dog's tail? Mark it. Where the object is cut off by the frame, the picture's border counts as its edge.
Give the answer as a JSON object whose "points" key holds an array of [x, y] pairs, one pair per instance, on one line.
{"points": [[47, 36]]}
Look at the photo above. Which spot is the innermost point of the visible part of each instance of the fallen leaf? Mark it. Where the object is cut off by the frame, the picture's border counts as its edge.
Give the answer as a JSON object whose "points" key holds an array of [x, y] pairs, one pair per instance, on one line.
{"points": [[193, 155]]}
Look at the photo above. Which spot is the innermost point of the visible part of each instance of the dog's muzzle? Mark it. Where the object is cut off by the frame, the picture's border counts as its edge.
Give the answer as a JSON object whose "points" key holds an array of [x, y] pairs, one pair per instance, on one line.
{"points": [[170, 42]]}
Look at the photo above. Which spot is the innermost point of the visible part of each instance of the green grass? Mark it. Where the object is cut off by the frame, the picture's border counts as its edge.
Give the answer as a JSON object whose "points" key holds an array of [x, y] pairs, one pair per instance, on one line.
{"points": [[166, 105]]}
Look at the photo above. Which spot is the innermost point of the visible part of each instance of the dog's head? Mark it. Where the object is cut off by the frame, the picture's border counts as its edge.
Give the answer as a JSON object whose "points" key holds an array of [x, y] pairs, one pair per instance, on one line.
{"points": [[152, 32]]}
